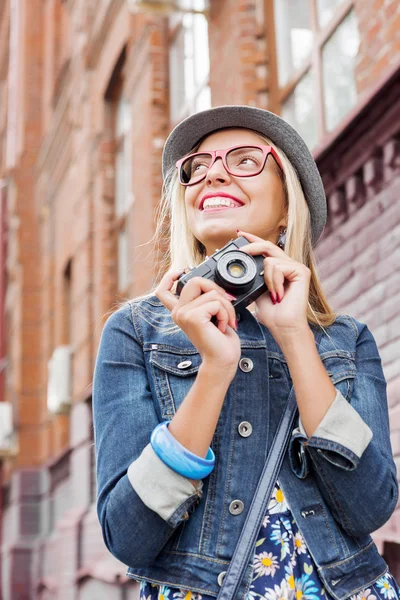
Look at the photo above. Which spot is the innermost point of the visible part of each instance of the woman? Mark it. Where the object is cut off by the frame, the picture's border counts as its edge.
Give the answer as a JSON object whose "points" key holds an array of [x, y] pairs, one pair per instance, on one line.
{"points": [[188, 392]]}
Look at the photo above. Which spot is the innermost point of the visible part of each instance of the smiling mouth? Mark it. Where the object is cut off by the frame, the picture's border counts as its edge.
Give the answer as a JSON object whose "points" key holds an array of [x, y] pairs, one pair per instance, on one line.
{"points": [[220, 208], [220, 203]]}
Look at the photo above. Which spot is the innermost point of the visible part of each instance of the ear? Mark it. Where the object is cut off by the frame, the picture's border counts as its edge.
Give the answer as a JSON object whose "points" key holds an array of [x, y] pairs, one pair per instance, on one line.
{"points": [[282, 225]]}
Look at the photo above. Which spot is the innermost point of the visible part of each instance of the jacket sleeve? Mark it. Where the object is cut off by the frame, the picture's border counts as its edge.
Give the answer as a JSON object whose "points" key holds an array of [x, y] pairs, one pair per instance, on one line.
{"points": [[140, 500], [350, 452]]}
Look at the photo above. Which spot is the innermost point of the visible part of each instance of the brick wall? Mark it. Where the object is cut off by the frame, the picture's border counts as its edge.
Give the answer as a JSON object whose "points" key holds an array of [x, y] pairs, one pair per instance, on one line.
{"points": [[22, 301], [238, 53], [379, 24], [360, 251]]}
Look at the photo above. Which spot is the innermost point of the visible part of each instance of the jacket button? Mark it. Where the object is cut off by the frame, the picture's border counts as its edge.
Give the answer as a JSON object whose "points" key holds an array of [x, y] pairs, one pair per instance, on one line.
{"points": [[246, 365], [221, 577], [245, 429], [184, 364], [236, 507]]}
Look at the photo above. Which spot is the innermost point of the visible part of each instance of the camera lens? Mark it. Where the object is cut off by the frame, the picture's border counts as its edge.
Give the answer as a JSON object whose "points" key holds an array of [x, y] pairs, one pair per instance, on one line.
{"points": [[236, 270]]}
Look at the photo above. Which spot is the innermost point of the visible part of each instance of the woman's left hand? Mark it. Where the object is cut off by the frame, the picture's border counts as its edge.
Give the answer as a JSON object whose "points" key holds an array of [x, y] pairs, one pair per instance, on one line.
{"points": [[289, 280]]}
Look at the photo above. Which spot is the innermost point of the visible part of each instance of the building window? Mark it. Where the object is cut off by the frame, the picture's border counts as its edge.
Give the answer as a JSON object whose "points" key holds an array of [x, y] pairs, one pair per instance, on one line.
{"points": [[189, 64], [294, 37], [123, 257], [60, 491], [299, 109], [119, 129], [123, 188], [123, 157], [338, 59], [326, 10], [316, 48]]}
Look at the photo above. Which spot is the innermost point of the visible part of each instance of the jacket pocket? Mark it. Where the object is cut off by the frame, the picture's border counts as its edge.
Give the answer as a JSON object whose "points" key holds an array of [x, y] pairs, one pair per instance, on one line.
{"points": [[341, 368], [174, 371], [278, 372]]}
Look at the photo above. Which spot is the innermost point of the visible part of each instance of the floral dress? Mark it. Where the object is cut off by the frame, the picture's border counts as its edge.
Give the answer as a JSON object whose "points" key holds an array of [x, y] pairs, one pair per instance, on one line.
{"points": [[283, 567]]}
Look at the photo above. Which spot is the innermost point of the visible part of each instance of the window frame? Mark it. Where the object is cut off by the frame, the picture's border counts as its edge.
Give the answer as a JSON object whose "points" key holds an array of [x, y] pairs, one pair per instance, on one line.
{"points": [[121, 221], [321, 35], [188, 107]]}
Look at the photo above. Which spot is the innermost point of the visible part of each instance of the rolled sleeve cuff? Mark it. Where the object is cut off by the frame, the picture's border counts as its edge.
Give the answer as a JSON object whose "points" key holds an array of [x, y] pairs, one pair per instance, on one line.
{"points": [[341, 438], [343, 425], [161, 489]]}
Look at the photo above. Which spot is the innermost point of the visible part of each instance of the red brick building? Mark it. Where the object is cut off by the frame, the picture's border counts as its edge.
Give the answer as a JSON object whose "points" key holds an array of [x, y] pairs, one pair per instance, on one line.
{"points": [[89, 90]]}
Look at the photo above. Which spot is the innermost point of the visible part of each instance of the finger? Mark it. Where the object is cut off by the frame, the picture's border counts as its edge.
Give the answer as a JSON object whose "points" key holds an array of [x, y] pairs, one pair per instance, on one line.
{"points": [[292, 271], [265, 247], [249, 236], [274, 280], [216, 295], [268, 278], [279, 280], [213, 308], [199, 285], [163, 290], [218, 310]]}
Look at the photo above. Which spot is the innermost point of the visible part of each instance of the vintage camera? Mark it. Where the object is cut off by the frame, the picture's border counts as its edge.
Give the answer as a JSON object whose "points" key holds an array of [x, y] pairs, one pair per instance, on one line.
{"points": [[235, 271]]}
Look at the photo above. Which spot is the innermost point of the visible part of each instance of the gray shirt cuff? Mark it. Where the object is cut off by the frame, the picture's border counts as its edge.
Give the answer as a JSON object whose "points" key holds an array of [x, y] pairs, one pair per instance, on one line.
{"points": [[159, 487], [343, 425]]}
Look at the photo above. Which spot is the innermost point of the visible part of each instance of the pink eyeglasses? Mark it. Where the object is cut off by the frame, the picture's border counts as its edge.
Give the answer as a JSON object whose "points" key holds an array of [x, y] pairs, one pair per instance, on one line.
{"points": [[239, 161]]}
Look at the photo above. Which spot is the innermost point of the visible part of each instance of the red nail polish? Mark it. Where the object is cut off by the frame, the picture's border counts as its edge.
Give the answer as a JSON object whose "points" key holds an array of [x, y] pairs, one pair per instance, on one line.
{"points": [[273, 298], [230, 296], [279, 298]]}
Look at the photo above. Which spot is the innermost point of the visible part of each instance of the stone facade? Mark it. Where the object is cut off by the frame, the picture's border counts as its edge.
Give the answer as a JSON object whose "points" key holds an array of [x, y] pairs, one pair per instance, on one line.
{"points": [[63, 66]]}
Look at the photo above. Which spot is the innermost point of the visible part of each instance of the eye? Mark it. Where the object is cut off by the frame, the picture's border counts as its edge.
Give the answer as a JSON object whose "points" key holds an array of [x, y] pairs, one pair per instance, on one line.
{"points": [[250, 159], [198, 165], [248, 163]]}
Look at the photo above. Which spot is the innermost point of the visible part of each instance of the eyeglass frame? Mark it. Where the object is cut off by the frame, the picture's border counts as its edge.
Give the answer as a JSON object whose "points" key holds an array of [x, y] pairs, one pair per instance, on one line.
{"points": [[266, 150]]}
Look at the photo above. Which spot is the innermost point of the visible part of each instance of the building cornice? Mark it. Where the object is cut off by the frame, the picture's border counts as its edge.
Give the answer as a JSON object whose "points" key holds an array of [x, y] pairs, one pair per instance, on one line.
{"points": [[360, 158]]}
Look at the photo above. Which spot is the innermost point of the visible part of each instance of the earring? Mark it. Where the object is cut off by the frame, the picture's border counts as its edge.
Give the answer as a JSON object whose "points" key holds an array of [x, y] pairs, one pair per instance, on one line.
{"points": [[282, 239]]}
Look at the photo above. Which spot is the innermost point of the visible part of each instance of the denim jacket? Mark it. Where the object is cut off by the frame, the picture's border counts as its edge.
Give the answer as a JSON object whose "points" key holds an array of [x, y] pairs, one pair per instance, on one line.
{"points": [[340, 483]]}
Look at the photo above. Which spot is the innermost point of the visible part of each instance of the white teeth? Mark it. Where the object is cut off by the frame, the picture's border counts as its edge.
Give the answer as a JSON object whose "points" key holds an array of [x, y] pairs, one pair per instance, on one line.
{"points": [[215, 202]]}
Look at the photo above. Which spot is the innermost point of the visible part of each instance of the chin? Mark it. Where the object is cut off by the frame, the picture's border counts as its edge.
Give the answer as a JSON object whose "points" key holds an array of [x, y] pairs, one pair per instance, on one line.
{"points": [[216, 230], [217, 234]]}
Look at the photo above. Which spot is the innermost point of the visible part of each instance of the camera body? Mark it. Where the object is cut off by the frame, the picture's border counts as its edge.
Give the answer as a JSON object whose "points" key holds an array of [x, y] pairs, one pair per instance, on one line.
{"points": [[235, 271]]}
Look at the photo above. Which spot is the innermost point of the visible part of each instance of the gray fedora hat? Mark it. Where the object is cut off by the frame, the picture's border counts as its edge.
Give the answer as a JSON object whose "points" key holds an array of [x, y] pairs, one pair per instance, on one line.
{"points": [[193, 129]]}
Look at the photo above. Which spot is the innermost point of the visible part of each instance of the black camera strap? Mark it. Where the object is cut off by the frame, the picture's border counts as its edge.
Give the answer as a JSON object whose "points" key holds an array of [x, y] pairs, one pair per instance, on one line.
{"points": [[245, 547], [244, 550]]}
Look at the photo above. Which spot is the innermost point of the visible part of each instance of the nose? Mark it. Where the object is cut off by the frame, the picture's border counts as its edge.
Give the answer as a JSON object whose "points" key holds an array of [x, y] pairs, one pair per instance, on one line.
{"points": [[217, 173]]}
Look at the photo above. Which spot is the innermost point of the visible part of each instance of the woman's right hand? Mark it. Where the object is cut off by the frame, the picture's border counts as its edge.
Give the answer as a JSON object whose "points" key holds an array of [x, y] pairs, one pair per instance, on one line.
{"points": [[200, 300]]}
